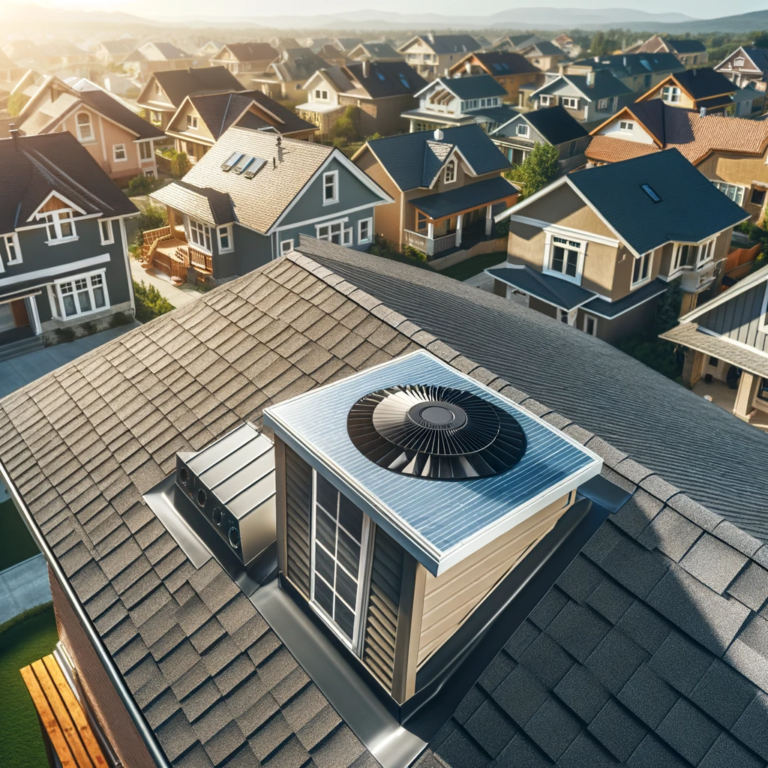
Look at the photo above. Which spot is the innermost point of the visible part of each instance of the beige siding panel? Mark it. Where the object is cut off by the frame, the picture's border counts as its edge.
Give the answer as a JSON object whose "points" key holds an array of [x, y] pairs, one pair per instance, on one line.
{"points": [[450, 598]]}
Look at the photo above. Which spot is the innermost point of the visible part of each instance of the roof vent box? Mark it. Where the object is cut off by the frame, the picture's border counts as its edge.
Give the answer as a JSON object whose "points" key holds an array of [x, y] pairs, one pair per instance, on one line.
{"points": [[232, 485]]}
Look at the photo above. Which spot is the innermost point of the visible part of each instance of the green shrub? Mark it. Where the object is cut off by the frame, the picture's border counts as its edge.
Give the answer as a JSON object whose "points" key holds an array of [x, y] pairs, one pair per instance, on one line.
{"points": [[536, 171], [65, 335], [179, 165], [502, 228], [151, 217], [120, 319], [141, 185], [150, 303], [414, 253], [345, 126], [16, 103], [655, 353], [89, 328]]}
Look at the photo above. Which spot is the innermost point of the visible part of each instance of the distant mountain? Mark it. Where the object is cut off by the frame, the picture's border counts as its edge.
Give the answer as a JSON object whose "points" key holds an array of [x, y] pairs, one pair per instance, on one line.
{"points": [[743, 22], [20, 14]]}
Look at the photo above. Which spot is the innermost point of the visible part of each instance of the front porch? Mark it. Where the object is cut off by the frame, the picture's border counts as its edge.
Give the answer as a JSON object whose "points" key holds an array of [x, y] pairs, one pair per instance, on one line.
{"points": [[739, 402], [167, 250], [457, 219]]}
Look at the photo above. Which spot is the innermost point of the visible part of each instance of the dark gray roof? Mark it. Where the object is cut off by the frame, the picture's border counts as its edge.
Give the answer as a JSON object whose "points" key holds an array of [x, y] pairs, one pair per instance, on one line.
{"points": [[454, 201], [451, 43], [556, 124], [690, 209], [682, 45], [553, 290], [543, 48], [297, 64], [501, 63], [38, 165], [110, 107], [386, 78], [632, 64], [407, 157], [180, 83], [494, 115], [603, 85], [627, 653], [704, 83], [611, 309], [380, 51], [759, 56], [474, 87], [252, 51]]}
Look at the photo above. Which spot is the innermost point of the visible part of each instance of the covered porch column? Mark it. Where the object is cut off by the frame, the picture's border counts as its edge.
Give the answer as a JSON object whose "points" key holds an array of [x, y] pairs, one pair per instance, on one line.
{"points": [[459, 224], [489, 220], [431, 238], [745, 395]]}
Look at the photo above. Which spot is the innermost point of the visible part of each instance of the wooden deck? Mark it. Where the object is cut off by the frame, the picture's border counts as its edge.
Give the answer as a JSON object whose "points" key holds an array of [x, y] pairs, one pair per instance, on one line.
{"points": [[163, 251], [61, 717]]}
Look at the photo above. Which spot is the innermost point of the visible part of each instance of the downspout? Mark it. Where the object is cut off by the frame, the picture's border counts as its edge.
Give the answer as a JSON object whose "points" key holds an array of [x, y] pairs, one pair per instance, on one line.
{"points": [[146, 733]]}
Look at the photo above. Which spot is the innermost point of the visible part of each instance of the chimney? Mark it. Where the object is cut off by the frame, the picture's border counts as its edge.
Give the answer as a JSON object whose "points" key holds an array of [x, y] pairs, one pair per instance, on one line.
{"points": [[366, 68], [703, 112], [279, 148], [13, 132], [468, 67], [438, 134]]}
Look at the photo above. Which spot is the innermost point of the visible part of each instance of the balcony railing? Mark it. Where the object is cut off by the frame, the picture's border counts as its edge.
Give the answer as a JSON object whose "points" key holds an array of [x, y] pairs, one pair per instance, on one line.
{"points": [[428, 245], [696, 278]]}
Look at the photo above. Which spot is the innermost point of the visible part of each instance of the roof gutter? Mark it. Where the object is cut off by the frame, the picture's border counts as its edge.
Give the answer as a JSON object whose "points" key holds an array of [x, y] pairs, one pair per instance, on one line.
{"points": [[146, 733]]}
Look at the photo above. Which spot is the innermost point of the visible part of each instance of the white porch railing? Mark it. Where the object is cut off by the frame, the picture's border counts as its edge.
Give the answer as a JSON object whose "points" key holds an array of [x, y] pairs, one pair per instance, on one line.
{"points": [[429, 245]]}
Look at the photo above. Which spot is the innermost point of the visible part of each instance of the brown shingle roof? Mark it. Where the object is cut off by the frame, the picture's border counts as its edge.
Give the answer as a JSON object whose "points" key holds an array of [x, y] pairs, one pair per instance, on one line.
{"points": [[604, 149]]}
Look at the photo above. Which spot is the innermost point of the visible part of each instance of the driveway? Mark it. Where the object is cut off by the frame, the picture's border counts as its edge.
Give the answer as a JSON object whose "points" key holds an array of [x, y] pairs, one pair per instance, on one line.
{"points": [[22, 370]]}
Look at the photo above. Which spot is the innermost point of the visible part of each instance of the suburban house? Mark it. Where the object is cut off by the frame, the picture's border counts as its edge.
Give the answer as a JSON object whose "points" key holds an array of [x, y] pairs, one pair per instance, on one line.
{"points": [[244, 60], [726, 341], [638, 71], [209, 49], [695, 89], [165, 92], [248, 199], [598, 248], [589, 98], [508, 69], [288, 74], [374, 52], [516, 43], [445, 186], [380, 91], [330, 54], [452, 101], [611, 620], [550, 125], [118, 139], [56, 196], [731, 152], [201, 120], [433, 55], [746, 66], [142, 62], [112, 52], [347, 44], [544, 55], [565, 43], [690, 53]]}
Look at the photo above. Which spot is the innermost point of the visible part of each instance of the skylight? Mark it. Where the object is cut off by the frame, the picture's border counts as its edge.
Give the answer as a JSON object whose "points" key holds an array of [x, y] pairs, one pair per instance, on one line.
{"points": [[256, 164], [242, 164], [231, 161], [646, 64], [380, 75], [651, 192], [404, 80]]}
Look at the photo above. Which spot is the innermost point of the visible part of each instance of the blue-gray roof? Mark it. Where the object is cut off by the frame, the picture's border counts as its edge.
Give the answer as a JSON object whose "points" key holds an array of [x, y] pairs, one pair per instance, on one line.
{"points": [[405, 156], [430, 519], [689, 208], [601, 85], [548, 288], [475, 87], [610, 309], [460, 199]]}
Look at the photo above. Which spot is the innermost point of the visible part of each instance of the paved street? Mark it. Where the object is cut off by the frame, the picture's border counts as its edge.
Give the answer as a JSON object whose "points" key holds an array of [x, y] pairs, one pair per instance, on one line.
{"points": [[23, 586], [20, 371]]}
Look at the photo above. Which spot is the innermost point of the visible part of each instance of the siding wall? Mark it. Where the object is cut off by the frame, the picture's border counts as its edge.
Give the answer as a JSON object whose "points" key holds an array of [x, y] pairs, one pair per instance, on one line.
{"points": [[298, 503], [739, 319]]}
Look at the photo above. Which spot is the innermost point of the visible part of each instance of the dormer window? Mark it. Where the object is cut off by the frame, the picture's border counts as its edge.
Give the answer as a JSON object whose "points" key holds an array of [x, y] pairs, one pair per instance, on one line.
{"points": [[522, 130], [321, 95], [450, 172], [60, 226], [84, 127], [545, 100], [626, 126], [192, 122], [569, 102], [670, 94], [738, 62]]}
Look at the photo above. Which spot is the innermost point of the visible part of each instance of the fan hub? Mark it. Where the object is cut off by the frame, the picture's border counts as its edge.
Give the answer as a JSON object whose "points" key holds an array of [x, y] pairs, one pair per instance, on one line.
{"points": [[434, 415]]}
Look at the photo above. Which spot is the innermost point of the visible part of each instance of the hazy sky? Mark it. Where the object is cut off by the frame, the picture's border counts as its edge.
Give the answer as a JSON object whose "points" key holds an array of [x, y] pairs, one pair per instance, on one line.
{"points": [[254, 8]]}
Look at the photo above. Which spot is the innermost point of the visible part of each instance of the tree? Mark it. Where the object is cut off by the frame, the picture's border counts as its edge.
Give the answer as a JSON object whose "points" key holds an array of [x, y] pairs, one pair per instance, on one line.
{"points": [[345, 127], [668, 308], [150, 217], [537, 170], [16, 103], [599, 45], [179, 165]]}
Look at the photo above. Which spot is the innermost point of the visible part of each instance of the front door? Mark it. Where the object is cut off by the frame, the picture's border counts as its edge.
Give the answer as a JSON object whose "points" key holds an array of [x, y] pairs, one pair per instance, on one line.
{"points": [[13, 314]]}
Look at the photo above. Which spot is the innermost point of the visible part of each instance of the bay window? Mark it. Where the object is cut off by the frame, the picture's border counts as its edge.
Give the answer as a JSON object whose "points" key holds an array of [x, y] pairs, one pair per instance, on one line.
{"points": [[732, 191], [60, 226], [199, 235], [706, 252], [681, 255], [79, 295]]}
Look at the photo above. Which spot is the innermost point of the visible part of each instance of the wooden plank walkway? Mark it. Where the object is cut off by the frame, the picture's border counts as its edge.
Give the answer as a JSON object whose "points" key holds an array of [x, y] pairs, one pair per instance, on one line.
{"points": [[61, 715]]}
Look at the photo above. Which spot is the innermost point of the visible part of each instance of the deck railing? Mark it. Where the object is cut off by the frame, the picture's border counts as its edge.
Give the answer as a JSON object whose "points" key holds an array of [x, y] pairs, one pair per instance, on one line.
{"points": [[430, 246]]}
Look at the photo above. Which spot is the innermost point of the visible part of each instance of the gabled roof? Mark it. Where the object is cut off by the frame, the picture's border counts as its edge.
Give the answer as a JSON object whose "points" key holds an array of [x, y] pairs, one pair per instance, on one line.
{"points": [[374, 51], [555, 124], [180, 83], [250, 51], [681, 45], [518, 41], [157, 52], [601, 84], [632, 64], [385, 78], [541, 48], [701, 83], [473, 87], [118, 47], [220, 110], [446, 43], [413, 160], [297, 64], [745, 284], [758, 56], [107, 105], [501, 63], [346, 44], [203, 203], [33, 167], [259, 202]]}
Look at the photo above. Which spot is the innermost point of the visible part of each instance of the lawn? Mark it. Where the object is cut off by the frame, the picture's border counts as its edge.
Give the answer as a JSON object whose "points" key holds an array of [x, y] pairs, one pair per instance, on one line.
{"points": [[475, 265], [16, 543], [21, 744]]}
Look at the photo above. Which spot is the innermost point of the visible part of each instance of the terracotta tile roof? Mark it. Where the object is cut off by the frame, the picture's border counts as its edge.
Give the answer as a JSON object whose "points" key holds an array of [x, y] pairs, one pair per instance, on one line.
{"points": [[604, 149]]}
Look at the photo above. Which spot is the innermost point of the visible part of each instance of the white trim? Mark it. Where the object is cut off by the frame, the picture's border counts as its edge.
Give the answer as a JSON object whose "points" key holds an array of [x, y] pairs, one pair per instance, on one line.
{"points": [[323, 218], [561, 77], [624, 311], [110, 238], [333, 177], [36, 325], [538, 298], [126, 258], [92, 139], [53, 271], [54, 288], [37, 212], [647, 260], [360, 239], [452, 156], [587, 318], [343, 230], [528, 200], [117, 159], [549, 252], [729, 340], [14, 240], [560, 230], [286, 246], [228, 229]]}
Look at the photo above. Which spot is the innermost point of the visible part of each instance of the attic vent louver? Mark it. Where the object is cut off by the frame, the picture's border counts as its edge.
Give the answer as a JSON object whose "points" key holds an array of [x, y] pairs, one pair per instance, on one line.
{"points": [[435, 433]]}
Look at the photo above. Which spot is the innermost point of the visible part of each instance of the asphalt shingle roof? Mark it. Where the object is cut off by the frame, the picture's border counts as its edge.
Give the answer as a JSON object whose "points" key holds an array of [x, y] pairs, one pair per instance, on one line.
{"points": [[686, 46], [386, 78], [630, 657], [556, 124], [57, 162], [759, 56], [180, 83], [632, 64], [501, 63], [252, 51], [543, 48], [451, 43], [691, 207], [704, 83], [473, 87], [603, 85], [110, 107], [454, 201], [552, 290], [203, 203], [407, 157]]}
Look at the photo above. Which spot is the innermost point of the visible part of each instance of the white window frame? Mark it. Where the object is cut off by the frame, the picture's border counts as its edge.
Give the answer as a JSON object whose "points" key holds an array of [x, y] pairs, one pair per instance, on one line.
{"points": [[579, 246], [585, 326], [321, 95], [545, 100], [11, 247], [192, 122], [673, 94], [678, 262], [643, 262], [195, 227], [347, 236], [602, 105], [369, 224], [80, 137], [522, 130], [363, 577], [705, 252], [738, 190], [451, 171], [762, 324], [115, 158], [626, 126], [106, 231], [145, 146], [333, 177], [569, 102], [324, 231], [53, 222], [286, 246], [225, 231], [57, 297]]}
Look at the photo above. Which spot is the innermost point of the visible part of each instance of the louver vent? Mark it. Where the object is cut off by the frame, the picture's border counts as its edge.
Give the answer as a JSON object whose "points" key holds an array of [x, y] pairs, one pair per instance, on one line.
{"points": [[383, 608], [438, 433], [298, 502]]}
